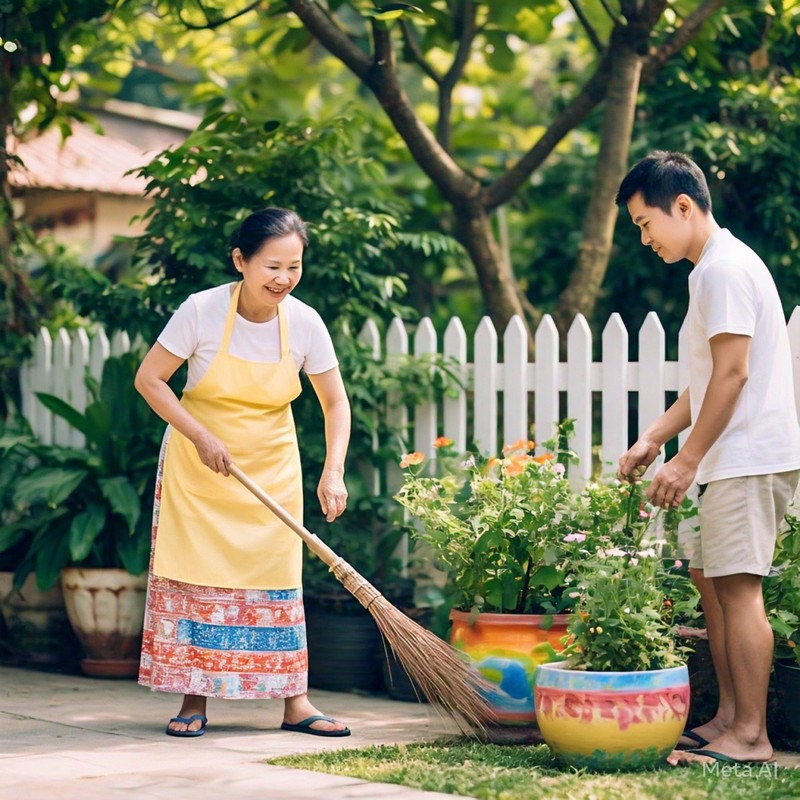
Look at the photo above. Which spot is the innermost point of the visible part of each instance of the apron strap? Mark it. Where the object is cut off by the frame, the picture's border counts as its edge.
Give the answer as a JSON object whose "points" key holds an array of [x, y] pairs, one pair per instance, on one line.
{"points": [[231, 318], [284, 330]]}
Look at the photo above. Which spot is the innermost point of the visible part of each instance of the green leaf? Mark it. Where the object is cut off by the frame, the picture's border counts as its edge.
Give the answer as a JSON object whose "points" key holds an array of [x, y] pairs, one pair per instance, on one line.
{"points": [[64, 410], [547, 576], [51, 485], [123, 499], [84, 530]]}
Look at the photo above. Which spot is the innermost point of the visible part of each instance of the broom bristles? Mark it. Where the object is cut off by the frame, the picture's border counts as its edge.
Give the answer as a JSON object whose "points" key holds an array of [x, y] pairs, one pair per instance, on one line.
{"points": [[440, 672]]}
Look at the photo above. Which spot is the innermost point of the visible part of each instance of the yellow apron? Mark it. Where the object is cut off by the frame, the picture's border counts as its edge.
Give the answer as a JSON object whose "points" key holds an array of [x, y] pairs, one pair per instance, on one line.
{"points": [[211, 530]]}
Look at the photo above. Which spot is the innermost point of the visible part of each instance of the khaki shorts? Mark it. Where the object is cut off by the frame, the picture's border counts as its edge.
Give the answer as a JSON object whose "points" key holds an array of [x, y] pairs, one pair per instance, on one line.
{"points": [[739, 521]]}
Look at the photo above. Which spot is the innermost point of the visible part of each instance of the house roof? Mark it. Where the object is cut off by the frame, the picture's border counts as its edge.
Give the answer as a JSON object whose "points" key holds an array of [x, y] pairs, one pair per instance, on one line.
{"points": [[86, 161]]}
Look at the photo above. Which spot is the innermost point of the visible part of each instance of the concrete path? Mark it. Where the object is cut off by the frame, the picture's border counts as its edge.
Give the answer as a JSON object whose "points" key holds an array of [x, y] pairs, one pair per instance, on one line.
{"points": [[68, 737]]}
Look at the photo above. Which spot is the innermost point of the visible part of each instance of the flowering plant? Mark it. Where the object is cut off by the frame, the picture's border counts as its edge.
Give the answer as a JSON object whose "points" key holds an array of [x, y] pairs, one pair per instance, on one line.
{"points": [[510, 531], [782, 591], [629, 601]]}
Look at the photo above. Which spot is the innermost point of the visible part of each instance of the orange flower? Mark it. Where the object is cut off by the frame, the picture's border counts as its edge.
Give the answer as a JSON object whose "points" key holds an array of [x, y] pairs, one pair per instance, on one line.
{"points": [[442, 441], [544, 458], [492, 463], [410, 459], [521, 445], [516, 464]]}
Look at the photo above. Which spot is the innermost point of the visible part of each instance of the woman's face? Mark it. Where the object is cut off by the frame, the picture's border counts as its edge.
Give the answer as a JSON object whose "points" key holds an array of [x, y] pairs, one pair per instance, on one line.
{"points": [[269, 275]]}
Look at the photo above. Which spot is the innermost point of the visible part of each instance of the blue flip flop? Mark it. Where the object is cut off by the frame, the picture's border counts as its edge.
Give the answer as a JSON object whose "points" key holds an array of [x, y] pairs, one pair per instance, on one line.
{"points": [[187, 734], [304, 726]]}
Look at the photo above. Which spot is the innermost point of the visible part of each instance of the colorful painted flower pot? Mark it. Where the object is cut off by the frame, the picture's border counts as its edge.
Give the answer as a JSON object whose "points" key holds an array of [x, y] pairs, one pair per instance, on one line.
{"points": [[611, 720], [503, 648]]}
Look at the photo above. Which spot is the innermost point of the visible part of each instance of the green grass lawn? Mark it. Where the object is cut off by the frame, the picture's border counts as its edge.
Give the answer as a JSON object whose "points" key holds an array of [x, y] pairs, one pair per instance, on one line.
{"points": [[502, 772]]}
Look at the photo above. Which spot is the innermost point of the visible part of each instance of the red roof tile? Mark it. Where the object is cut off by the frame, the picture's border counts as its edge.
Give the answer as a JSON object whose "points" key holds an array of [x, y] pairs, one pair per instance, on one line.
{"points": [[86, 161]]}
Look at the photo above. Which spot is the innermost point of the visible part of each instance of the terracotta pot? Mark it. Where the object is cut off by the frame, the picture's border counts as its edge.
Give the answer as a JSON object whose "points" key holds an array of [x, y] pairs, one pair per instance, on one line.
{"points": [[611, 720], [38, 632], [106, 610], [502, 647]]}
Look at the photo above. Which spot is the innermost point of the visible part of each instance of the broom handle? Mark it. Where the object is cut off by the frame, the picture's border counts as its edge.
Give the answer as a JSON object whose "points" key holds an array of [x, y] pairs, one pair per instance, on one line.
{"points": [[314, 543]]}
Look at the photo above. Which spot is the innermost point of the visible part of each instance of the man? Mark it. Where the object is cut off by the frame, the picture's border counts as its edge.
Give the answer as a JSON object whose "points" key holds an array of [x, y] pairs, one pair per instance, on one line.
{"points": [[743, 449]]}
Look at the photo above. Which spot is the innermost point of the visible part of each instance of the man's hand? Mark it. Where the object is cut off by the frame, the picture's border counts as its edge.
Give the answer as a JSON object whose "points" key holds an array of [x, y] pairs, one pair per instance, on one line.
{"points": [[670, 483], [633, 464]]}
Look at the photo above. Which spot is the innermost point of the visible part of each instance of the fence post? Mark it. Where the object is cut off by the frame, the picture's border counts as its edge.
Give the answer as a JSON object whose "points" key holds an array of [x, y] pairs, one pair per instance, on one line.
{"points": [[455, 408], [546, 382], [425, 414], [579, 397], [371, 337], [650, 382], [485, 388], [515, 381]]}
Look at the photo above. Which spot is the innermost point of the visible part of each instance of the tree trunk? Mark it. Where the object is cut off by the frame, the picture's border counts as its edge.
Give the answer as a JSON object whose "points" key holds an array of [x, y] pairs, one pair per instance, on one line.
{"points": [[17, 308], [580, 295], [497, 282]]}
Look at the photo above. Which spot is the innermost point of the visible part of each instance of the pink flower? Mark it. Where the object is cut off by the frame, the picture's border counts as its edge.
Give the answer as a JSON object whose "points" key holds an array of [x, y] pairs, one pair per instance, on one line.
{"points": [[575, 537]]}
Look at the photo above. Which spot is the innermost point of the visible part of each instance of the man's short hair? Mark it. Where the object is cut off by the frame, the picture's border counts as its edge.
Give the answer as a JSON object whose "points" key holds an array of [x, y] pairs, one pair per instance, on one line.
{"points": [[661, 176]]}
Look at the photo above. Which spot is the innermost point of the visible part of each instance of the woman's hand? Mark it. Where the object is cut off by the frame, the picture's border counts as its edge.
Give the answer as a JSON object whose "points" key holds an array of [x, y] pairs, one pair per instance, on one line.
{"points": [[332, 494], [212, 452]]}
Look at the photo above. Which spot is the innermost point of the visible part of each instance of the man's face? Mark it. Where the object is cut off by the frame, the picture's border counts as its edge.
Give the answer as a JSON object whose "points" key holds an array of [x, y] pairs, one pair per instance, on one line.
{"points": [[668, 235]]}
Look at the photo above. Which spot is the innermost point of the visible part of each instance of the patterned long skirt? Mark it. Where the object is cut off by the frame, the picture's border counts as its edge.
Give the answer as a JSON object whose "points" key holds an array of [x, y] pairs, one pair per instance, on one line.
{"points": [[230, 643]]}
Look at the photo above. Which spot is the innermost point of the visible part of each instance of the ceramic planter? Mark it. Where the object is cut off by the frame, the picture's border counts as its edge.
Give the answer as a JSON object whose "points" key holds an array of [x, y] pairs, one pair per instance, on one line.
{"points": [[38, 632], [502, 647], [611, 720], [106, 610]]}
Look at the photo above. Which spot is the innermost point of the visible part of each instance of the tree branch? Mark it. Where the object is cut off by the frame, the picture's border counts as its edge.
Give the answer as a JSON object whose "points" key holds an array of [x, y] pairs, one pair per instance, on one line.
{"points": [[569, 118], [611, 13], [410, 38], [382, 43], [217, 23], [332, 37], [452, 181], [674, 43], [453, 75], [587, 26]]}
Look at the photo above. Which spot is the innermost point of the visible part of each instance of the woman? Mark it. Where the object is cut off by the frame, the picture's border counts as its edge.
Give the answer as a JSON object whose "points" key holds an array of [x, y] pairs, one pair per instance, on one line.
{"points": [[224, 613]]}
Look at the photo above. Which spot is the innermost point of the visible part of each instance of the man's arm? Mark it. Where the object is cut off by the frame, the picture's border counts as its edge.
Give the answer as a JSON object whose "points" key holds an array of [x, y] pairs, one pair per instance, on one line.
{"points": [[644, 451], [730, 354]]}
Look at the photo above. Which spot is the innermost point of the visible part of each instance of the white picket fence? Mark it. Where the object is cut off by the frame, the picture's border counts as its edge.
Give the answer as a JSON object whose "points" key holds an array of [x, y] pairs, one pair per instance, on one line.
{"points": [[59, 366], [573, 386]]}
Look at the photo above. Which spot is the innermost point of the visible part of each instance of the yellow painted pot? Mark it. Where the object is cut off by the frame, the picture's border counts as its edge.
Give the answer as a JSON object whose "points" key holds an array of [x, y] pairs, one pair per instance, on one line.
{"points": [[611, 720], [503, 648]]}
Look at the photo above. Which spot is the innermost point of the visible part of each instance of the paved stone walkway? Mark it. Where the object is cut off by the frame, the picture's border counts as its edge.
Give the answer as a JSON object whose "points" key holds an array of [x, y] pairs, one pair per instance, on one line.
{"points": [[68, 737]]}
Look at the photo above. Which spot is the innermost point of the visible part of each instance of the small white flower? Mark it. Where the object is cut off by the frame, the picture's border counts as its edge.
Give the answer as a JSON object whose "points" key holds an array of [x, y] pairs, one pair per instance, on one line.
{"points": [[626, 610]]}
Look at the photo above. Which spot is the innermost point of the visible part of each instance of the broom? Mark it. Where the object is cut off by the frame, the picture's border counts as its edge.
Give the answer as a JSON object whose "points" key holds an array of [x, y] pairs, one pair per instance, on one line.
{"points": [[442, 675]]}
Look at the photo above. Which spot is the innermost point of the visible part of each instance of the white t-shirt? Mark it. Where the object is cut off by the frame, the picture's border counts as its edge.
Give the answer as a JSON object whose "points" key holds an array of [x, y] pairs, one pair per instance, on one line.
{"points": [[194, 332], [732, 291]]}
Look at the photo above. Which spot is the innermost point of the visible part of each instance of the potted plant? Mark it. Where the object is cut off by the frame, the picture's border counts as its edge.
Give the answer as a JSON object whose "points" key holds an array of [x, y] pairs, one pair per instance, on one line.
{"points": [[510, 532], [36, 630], [83, 515], [620, 698], [782, 601]]}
